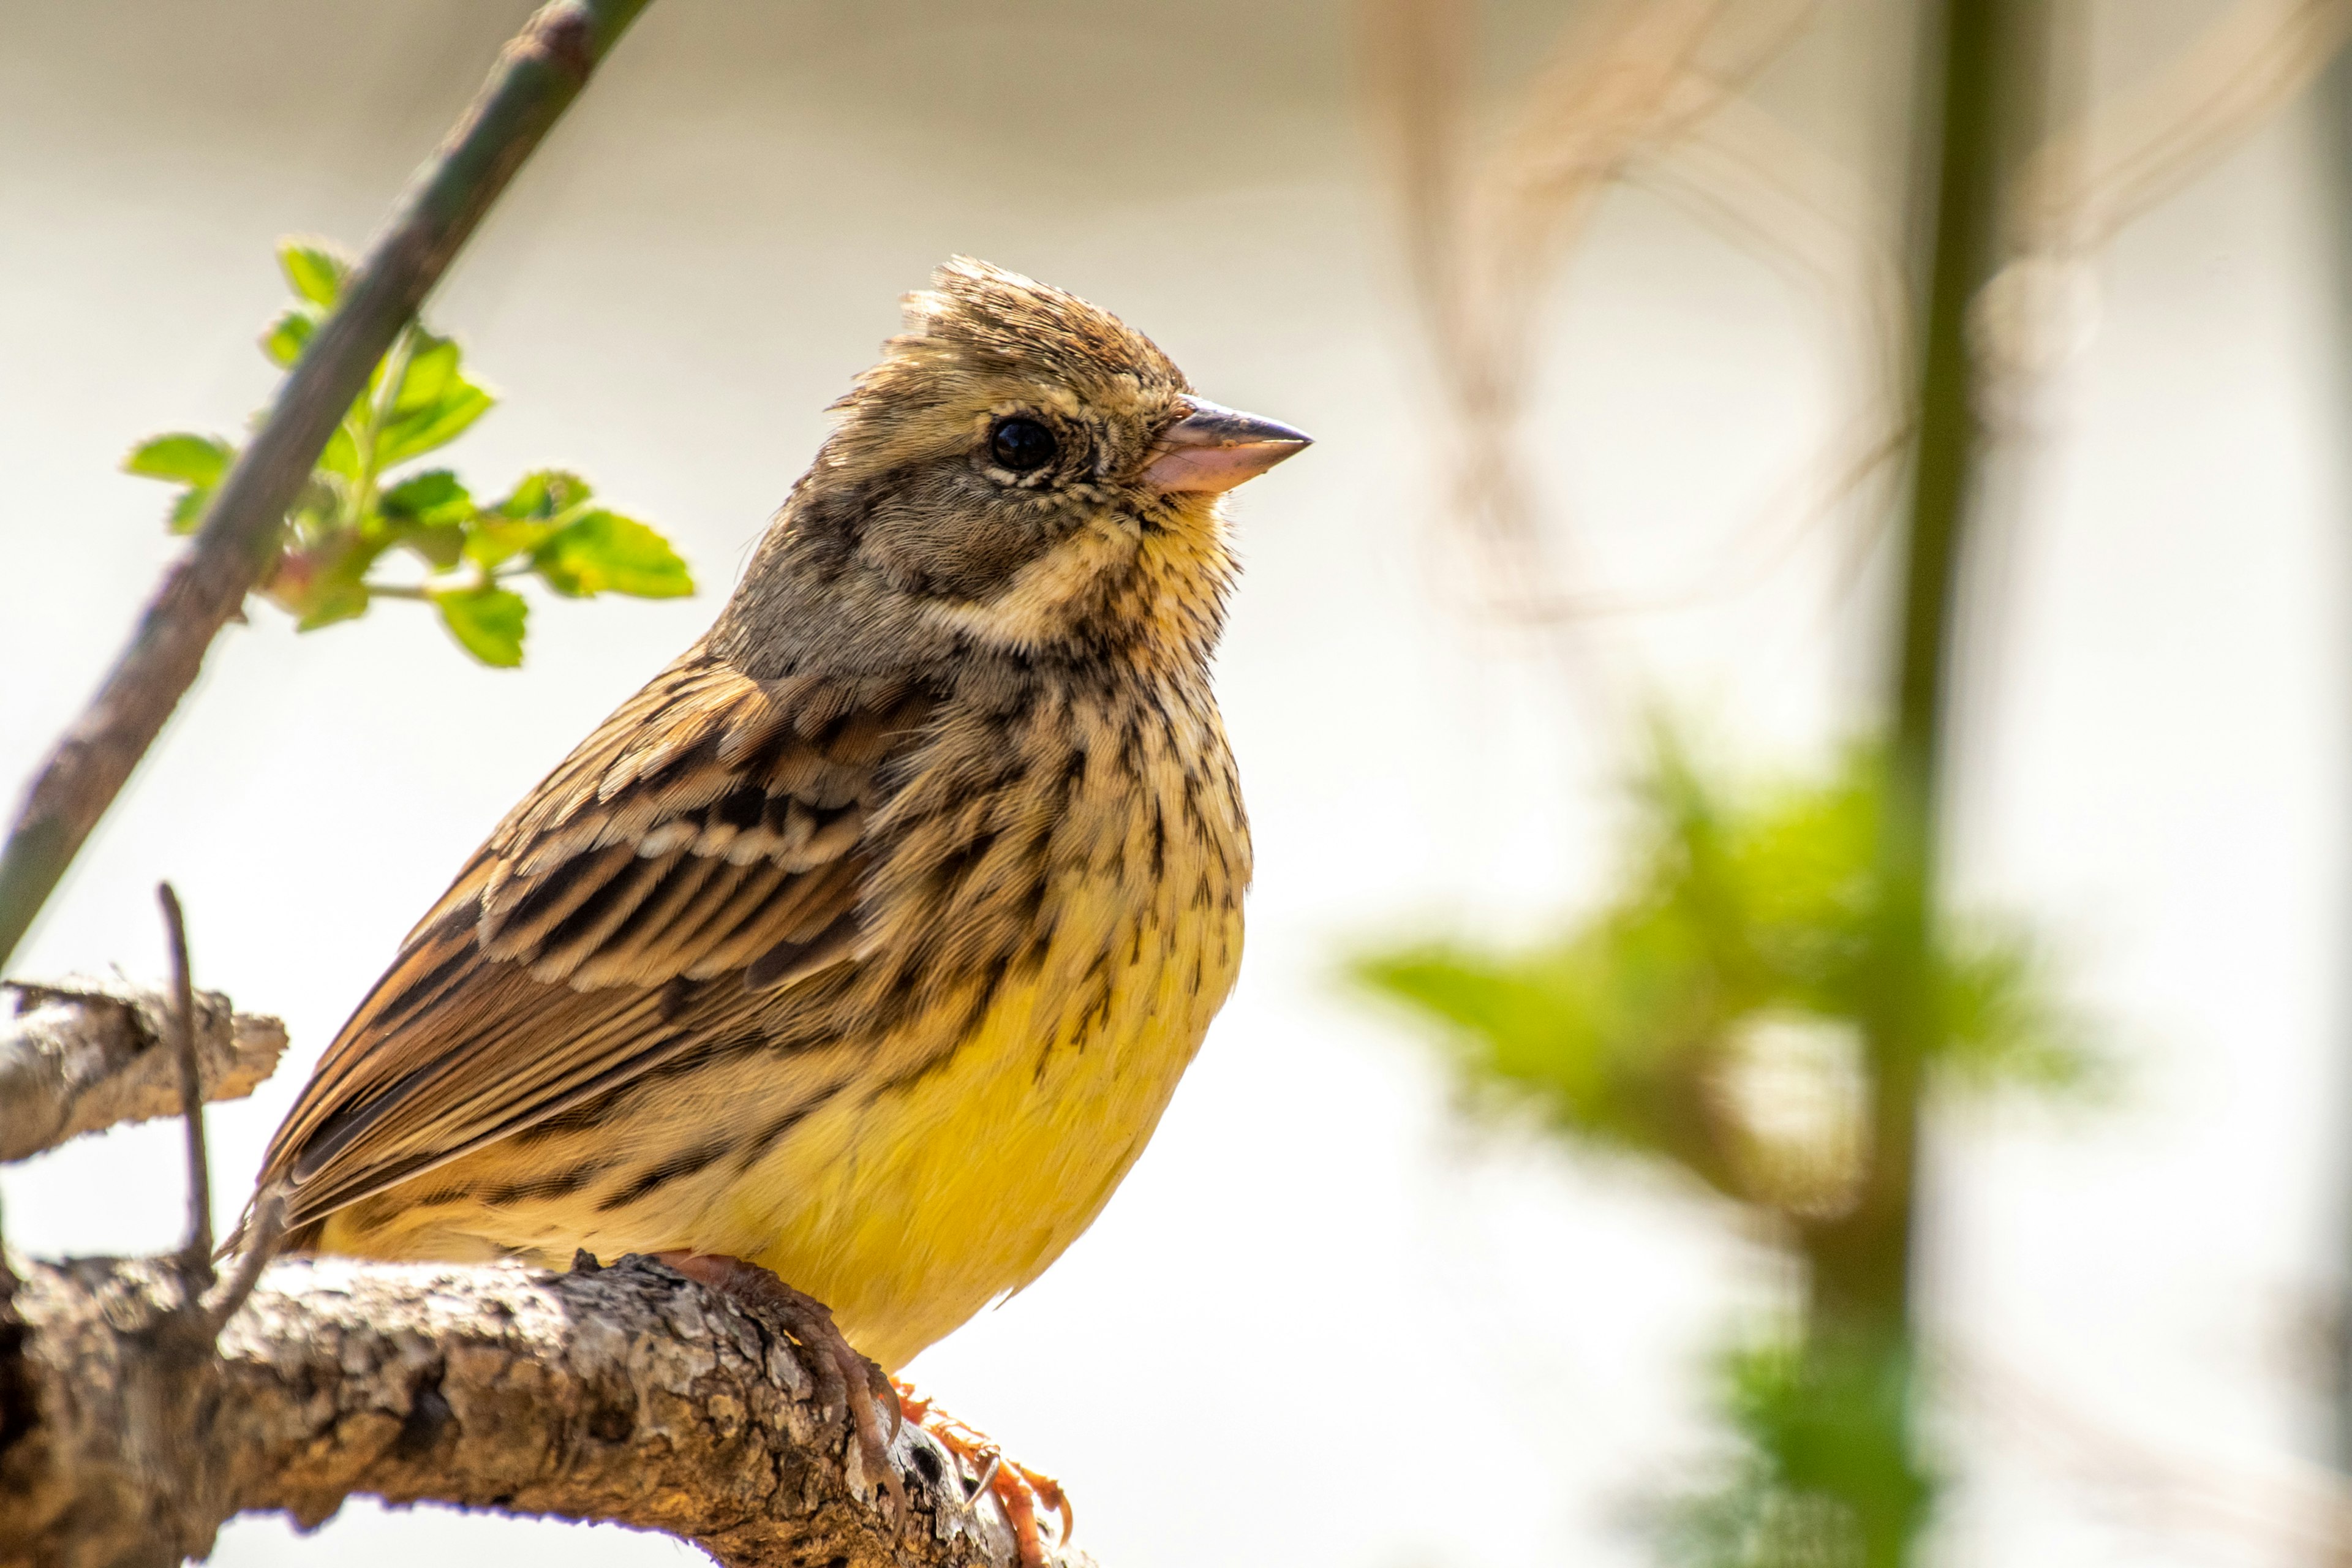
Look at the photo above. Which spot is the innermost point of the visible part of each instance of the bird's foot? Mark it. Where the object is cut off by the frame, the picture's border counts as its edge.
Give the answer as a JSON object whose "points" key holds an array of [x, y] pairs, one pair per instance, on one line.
{"points": [[1024, 1492], [844, 1379]]}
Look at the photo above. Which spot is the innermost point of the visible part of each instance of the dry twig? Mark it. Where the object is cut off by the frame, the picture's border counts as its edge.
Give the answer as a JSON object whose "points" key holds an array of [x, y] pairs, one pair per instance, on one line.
{"points": [[196, 1253]]}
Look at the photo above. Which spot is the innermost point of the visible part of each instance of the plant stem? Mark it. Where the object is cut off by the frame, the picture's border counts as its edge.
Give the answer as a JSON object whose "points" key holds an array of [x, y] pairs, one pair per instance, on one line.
{"points": [[2332, 106], [539, 74], [395, 366], [1861, 1265]]}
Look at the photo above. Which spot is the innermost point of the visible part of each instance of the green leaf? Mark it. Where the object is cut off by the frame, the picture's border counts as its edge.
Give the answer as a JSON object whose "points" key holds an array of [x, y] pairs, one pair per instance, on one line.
{"points": [[495, 540], [312, 271], [427, 499], [439, 545], [189, 509], [544, 493], [290, 334], [488, 621], [333, 599], [428, 512], [180, 457], [435, 425], [431, 373], [342, 453], [606, 552]]}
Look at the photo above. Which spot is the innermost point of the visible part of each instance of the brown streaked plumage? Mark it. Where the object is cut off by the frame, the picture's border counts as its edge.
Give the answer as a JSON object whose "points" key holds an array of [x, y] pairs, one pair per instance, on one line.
{"points": [[869, 940]]}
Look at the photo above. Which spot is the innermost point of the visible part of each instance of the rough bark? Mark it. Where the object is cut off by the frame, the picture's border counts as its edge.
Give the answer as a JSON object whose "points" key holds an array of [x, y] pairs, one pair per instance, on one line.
{"points": [[79, 1056], [628, 1394]]}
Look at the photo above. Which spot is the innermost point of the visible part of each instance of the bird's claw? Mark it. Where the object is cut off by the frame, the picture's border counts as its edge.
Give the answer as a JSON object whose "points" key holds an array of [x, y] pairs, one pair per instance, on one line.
{"points": [[1021, 1491]]}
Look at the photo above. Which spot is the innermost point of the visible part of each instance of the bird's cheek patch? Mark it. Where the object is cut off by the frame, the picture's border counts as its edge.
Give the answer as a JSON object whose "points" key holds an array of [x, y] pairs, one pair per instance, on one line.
{"points": [[1035, 607]]}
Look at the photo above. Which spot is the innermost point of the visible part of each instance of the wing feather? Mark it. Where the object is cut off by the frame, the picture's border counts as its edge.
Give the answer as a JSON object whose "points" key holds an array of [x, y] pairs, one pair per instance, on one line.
{"points": [[710, 834]]}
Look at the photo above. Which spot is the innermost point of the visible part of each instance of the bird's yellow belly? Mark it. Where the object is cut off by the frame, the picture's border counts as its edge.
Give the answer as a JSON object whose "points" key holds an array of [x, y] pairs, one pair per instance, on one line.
{"points": [[905, 1200], [909, 1211]]}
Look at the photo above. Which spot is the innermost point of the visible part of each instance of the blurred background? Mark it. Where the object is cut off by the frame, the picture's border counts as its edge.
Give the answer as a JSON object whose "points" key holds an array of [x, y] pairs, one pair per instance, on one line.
{"points": [[1601, 314]]}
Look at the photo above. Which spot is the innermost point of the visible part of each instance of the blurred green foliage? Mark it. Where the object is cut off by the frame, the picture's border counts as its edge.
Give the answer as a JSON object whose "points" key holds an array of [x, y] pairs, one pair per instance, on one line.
{"points": [[1709, 1013], [1816, 1484], [356, 510]]}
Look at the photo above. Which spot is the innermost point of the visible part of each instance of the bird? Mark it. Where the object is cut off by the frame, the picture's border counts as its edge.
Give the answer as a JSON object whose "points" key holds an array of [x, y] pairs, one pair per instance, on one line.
{"points": [[855, 957]]}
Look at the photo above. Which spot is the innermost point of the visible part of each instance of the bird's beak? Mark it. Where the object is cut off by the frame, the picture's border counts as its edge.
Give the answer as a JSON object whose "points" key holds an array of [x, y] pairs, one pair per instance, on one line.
{"points": [[1216, 448]]}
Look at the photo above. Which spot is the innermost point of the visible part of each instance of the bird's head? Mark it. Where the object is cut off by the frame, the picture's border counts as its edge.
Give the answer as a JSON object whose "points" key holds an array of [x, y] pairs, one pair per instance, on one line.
{"points": [[1022, 473]]}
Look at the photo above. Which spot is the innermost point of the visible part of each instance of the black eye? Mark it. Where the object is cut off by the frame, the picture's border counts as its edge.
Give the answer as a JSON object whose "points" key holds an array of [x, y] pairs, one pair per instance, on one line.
{"points": [[1021, 445]]}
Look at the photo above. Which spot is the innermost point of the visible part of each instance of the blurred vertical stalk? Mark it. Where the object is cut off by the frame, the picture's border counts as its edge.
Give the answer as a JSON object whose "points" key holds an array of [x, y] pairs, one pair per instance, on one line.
{"points": [[2332, 106], [1861, 1349]]}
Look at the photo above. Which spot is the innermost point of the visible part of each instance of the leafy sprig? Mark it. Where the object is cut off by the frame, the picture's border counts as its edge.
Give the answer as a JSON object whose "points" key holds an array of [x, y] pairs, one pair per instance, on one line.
{"points": [[355, 510], [1710, 1014]]}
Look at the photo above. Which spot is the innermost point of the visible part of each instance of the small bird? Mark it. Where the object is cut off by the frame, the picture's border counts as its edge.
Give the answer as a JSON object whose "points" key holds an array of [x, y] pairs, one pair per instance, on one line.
{"points": [[866, 943]]}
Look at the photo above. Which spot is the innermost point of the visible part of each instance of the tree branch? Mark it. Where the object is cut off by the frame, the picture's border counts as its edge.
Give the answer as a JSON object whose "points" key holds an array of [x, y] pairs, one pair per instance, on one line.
{"points": [[538, 76], [80, 1056], [627, 1394]]}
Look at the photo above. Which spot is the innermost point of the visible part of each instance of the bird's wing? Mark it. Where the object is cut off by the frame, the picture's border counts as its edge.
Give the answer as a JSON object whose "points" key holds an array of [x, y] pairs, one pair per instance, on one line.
{"points": [[711, 834]]}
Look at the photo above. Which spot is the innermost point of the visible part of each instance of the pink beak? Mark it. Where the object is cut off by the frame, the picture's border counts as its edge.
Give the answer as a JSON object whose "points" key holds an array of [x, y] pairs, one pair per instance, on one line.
{"points": [[1215, 448]]}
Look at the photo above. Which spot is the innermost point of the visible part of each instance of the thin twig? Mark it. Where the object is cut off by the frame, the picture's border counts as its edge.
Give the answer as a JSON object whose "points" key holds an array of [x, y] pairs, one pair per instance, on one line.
{"points": [[538, 76], [263, 1232], [196, 1253]]}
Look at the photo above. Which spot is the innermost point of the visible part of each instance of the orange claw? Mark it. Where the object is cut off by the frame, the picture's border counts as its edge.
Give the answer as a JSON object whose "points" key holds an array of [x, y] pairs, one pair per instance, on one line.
{"points": [[1021, 1490]]}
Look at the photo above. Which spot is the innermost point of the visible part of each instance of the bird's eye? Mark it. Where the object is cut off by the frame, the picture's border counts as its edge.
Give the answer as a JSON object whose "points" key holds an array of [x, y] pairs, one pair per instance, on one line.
{"points": [[1021, 445]]}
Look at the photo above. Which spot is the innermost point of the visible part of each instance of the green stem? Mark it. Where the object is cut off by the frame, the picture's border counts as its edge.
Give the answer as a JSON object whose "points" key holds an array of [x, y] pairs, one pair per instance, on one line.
{"points": [[379, 413], [539, 74], [1862, 1266]]}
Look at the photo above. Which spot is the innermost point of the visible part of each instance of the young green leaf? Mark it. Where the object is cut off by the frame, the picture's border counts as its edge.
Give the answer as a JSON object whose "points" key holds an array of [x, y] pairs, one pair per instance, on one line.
{"points": [[312, 271], [606, 552], [342, 453], [431, 372], [495, 540], [331, 599], [290, 334], [544, 493], [195, 461], [429, 514], [439, 545], [182, 457], [488, 621], [189, 509], [432, 497], [435, 425]]}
